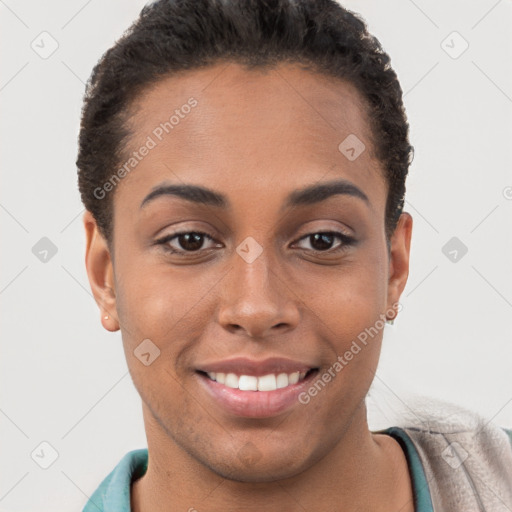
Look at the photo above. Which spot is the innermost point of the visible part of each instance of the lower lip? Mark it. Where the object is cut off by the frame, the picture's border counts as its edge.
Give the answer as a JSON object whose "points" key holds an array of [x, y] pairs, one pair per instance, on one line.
{"points": [[255, 404]]}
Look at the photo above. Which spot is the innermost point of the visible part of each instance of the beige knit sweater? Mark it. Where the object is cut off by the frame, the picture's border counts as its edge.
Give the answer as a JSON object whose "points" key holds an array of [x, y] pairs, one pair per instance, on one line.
{"points": [[467, 458]]}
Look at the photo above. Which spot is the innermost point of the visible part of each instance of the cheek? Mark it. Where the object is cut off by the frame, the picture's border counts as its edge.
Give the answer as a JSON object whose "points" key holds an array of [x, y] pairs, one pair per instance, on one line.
{"points": [[349, 318], [169, 307], [349, 307], [158, 302], [350, 299]]}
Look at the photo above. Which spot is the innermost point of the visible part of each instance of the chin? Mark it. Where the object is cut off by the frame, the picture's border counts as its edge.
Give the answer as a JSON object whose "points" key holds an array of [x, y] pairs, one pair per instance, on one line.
{"points": [[259, 464], [259, 472]]}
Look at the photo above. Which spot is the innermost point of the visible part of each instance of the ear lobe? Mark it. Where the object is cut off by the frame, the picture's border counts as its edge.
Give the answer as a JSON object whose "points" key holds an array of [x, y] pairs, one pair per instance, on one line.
{"points": [[400, 245], [100, 272]]}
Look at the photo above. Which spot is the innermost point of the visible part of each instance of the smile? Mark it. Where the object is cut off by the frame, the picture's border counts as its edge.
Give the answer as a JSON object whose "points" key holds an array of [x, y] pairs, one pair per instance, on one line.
{"points": [[255, 389], [269, 382]]}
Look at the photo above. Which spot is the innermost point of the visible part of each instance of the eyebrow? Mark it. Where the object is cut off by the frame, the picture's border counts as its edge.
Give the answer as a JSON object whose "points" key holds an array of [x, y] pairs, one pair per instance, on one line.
{"points": [[306, 196]]}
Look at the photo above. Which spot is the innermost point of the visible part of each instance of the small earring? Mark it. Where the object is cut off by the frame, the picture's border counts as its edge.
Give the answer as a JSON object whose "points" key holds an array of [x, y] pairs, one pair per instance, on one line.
{"points": [[106, 317]]}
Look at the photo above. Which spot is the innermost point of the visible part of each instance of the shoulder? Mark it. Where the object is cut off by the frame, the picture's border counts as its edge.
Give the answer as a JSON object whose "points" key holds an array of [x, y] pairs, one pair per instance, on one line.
{"points": [[113, 494], [466, 457]]}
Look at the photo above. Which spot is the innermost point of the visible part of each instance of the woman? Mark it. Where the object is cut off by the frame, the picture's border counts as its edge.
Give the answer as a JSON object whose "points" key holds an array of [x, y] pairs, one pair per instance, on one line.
{"points": [[243, 169]]}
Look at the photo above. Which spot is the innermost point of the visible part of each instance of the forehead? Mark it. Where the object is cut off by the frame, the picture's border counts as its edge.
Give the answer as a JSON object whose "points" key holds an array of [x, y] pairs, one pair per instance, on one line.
{"points": [[250, 128]]}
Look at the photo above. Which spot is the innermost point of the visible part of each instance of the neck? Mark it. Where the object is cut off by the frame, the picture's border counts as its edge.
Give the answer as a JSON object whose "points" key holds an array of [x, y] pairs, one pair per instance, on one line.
{"points": [[363, 471]]}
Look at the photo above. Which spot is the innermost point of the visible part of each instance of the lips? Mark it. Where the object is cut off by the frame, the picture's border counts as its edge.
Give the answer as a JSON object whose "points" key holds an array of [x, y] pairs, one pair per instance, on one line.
{"points": [[244, 366], [255, 389]]}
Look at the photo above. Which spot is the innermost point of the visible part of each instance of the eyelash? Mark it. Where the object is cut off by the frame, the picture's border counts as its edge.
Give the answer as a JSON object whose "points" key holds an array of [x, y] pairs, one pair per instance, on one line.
{"points": [[346, 240]]}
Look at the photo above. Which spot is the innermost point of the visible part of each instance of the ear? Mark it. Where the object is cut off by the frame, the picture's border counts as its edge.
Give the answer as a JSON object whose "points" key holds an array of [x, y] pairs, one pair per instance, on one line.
{"points": [[400, 245], [100, 272]]}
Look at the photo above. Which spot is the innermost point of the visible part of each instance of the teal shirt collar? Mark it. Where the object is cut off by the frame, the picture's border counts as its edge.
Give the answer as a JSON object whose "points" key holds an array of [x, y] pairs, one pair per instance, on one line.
{"points": [[113, 494]]}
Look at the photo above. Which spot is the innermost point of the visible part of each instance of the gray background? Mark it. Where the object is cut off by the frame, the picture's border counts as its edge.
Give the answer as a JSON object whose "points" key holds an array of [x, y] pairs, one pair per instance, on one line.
{"points": [[64, 379]]}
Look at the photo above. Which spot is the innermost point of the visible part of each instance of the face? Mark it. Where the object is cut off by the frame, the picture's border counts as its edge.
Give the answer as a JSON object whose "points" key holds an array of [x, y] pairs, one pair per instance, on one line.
{"points": [[259, 281]]}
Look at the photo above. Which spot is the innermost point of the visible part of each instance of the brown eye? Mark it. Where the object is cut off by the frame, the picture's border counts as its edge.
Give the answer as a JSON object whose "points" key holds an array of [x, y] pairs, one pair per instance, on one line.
{"points": [[185, 242], [190, 241], [324, 241]]}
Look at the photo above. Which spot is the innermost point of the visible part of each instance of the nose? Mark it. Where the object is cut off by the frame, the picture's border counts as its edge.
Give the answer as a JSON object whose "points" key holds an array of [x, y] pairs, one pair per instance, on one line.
{"points": [[256, 300]]}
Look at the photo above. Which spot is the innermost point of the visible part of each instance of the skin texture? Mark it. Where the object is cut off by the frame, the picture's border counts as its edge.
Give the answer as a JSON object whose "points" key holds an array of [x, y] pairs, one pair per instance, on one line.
{"points": [[254, 136]]}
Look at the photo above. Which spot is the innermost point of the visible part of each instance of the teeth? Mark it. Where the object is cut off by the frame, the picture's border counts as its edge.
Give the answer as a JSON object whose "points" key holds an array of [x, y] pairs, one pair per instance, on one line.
{"points": [[282, 380], [293, 378], [269, 382], [231, 381], [248, 383]]}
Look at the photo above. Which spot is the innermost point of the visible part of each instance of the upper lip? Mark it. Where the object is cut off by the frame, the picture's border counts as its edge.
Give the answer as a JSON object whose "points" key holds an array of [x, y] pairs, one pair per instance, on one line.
{"points": [[258, 368]]}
